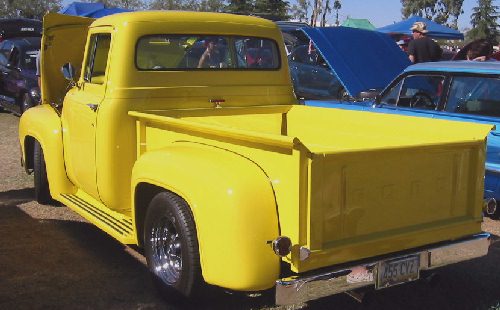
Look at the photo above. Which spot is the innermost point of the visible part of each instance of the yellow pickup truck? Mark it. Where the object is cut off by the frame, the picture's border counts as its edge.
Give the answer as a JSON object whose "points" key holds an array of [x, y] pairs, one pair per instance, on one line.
{"points": [[180, 133]]}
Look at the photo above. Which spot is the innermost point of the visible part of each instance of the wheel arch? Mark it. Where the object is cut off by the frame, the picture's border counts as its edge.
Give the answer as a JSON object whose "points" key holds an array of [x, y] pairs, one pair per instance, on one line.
{"points": [[42, 123], [233, 205]]}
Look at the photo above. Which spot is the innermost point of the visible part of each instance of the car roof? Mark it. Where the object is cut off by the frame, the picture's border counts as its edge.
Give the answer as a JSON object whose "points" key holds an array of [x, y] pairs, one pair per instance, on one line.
{"points": [[291, 26], [462, 66]]}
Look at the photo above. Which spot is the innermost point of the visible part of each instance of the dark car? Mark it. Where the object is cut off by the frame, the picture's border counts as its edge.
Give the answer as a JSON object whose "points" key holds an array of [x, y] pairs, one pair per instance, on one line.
{"points": [[292, 34], [311, 76], [19, 27], [19, 89], [338, 63]]}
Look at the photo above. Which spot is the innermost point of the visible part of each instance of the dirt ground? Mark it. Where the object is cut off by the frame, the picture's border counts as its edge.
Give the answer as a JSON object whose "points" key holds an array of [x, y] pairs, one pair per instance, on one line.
{"points": [[51, 258]]}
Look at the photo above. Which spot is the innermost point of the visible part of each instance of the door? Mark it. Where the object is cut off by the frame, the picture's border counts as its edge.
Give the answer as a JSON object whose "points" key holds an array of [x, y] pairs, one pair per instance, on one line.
{"points": [[79, 115]]}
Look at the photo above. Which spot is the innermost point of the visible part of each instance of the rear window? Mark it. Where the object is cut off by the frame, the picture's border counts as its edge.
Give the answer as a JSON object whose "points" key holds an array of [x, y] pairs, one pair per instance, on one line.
{"points": [[196, 52]]}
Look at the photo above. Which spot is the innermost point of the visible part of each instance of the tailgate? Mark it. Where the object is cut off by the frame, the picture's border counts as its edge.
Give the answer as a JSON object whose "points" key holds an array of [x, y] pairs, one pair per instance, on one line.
{"points": [[365, 204], [373, 191]]}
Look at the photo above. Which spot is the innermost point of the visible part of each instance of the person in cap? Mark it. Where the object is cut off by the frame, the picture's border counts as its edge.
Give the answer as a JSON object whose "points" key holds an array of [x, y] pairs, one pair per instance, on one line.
{"points": [[423, 48]]}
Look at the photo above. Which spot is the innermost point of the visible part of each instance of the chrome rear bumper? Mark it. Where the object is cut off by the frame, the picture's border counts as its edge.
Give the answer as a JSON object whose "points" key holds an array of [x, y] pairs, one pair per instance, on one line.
{"points": [[295, 290]]}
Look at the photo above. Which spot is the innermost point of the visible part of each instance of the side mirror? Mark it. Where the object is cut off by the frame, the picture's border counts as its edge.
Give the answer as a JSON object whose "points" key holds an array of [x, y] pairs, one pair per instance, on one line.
{"points": [[68, 71]]}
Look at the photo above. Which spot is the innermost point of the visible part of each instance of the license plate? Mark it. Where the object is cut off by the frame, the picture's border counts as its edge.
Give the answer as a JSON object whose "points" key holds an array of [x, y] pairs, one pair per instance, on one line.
{"points": [[397, 271]]}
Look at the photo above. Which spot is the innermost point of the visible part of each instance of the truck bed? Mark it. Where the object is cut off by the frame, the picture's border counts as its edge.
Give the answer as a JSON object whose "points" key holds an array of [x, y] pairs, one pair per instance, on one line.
{"points": [[369, 184]]}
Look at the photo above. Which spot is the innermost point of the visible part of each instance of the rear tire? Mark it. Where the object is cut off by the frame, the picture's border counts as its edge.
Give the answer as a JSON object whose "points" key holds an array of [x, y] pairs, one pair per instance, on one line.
{"points": [[171, 247], [42, 191]]}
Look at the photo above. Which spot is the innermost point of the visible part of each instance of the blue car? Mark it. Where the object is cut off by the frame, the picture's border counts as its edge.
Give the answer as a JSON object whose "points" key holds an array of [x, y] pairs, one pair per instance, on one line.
{"points": [[453, 90]]}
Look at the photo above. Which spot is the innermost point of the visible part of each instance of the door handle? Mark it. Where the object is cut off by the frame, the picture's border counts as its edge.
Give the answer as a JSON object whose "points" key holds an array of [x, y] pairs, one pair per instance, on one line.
{"points": [[93, 106]]}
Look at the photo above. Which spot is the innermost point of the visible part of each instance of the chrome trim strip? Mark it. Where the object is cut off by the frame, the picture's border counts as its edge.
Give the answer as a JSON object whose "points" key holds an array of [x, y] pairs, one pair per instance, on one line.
{"points": [[296, 290]]}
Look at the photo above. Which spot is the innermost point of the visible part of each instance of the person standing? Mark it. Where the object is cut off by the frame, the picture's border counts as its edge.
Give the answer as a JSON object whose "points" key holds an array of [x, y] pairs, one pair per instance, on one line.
{"points": [[423, 48], [211, 58]]}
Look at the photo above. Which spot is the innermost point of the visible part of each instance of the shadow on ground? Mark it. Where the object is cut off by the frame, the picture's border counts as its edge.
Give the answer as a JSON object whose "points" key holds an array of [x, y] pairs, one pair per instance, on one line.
{"points": [[63, 263]]}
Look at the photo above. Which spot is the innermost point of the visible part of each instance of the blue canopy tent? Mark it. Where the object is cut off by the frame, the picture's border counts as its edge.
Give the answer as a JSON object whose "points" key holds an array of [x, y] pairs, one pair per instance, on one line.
{"points": [[436, 30], [93, 10]]}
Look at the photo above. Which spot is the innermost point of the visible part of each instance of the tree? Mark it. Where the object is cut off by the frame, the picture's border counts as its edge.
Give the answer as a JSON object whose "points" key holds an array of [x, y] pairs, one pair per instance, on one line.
{"points": [[273, 9], [438, 10], [239, 7], [326, 9], [28, 8], [166, 5], [447, 9], [315, 12], [124, 4], [484, 21], [300, 11], [424, 8], [212, 5], [337, 5]]}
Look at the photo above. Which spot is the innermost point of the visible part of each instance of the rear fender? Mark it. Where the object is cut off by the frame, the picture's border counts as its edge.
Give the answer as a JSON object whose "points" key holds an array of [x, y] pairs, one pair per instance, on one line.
{"points": [[43, 124], [233, 206]]}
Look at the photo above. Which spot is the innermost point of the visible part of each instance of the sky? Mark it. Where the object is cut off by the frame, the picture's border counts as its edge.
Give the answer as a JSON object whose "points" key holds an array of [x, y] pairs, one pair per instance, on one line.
{"points": [[382, 12]]}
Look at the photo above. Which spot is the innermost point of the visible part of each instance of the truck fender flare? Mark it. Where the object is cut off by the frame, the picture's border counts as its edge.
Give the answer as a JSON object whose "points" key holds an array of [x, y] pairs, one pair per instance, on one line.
{"points": [[233, 206], [42, 123]]}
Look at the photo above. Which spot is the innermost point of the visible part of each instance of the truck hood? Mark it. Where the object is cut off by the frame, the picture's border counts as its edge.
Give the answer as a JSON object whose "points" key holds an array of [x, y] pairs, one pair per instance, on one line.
{"points": [[361, 59], [63, 41]]}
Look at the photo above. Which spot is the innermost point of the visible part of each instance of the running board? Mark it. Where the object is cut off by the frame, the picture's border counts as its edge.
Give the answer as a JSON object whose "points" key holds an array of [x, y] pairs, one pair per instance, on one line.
{"points": [[116, 224]]}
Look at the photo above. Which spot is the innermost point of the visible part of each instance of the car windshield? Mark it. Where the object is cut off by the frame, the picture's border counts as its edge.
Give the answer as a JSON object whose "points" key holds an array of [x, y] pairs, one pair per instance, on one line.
{"points": [[474, 95], [188, 52], [416, 91]]}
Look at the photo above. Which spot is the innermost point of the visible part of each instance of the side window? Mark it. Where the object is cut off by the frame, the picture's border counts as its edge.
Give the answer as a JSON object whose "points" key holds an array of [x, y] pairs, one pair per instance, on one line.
{"points": [[474, 95], [391, 97], [97, 59], [421, 91], [304, 54]]}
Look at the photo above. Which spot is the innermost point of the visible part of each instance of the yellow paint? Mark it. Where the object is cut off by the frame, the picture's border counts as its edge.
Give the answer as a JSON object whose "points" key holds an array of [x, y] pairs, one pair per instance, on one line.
{"points": [[344, 184]]}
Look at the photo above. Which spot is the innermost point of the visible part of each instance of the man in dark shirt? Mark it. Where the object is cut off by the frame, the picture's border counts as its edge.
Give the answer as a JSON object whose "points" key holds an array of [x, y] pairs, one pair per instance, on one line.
{"points": [[422, 48]]}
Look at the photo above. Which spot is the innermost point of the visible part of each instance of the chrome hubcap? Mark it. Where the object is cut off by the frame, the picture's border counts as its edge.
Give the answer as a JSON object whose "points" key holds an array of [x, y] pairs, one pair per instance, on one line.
{"points": [[166, 250]]}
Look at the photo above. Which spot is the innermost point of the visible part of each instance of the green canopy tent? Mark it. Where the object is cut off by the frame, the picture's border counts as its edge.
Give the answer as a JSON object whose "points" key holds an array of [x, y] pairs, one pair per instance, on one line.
{"points": [[360, 23]]}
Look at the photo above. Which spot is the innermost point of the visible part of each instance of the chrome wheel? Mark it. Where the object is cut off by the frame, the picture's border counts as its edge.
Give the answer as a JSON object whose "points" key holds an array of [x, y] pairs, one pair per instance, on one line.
{"points": [[171, 247], [166, 250]]}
